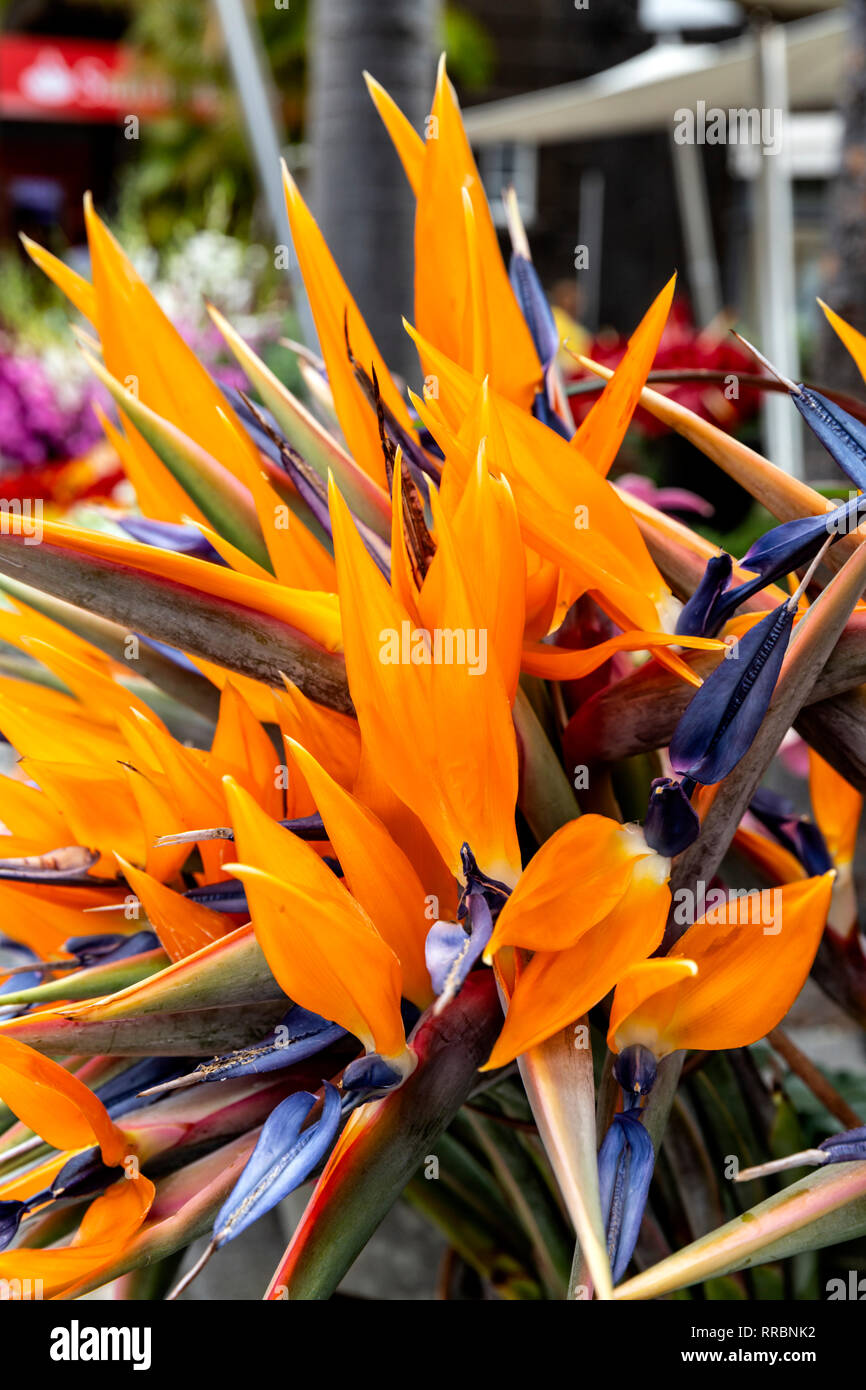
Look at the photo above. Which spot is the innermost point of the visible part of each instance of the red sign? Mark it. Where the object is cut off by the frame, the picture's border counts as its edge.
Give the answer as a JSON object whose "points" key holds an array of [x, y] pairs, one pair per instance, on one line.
{"points": [[80, 79]]}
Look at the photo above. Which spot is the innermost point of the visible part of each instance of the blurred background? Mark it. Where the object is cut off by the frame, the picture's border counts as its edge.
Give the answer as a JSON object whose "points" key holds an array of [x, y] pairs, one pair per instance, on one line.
{"points": [[173, 113]]}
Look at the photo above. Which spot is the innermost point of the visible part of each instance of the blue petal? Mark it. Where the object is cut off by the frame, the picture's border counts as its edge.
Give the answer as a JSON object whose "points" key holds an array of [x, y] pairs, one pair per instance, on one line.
{"points": [[451, 950], [12, 956], [93, 950], [534, 307], [672, 823], [722, 718], [847, 1147], [121, 1093], [697, 618], [10, 1219], [842, 435], [635, 1069], [173, 654], [370, 1073], [168, 535], [227, 896], [797, 834], [283, 1157], [544, 411], [795, 543], [300, 1035], [625, 1168], [82, 1175]]}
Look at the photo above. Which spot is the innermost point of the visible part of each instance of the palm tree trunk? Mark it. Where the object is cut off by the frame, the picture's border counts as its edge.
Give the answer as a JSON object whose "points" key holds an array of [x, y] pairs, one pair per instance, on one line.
{"points": [[358, 190]]}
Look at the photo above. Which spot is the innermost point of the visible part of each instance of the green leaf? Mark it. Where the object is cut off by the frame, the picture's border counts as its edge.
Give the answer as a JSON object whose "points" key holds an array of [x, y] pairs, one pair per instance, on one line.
{"points": [[214, 628], [219, 496], [365, 498], [827, 1206], [386, 1142]]}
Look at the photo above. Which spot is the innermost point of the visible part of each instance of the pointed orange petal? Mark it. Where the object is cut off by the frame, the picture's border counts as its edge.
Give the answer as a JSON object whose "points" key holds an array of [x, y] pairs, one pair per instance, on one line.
{"points": [[440, 733], [320, 943], [106, 1229], [407, 141], [442, 272], [565, 663], [330, 301], [752, 956], [74, 286], [575, 879], [557, 988], [181, 925], [854, 341], [242, 747], [54, 1103], [837, 807], [377, 872], [602, 432], [139, 342], [93, 800]]}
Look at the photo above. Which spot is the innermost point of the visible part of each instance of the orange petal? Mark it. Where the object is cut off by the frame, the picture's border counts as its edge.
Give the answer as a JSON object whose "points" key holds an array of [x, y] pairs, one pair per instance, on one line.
{"points": [[331, 303], [181, 925], [752, 956], [74, 286], [139, 342], [565, 663], [854, 341], [55, 1104], [95, 805], [602, 432], [486, 532], [377, 872], [442, 269], [322, 947], [106, 1229], [439, 732], [242, 747], [28, 812], [407, 142], [567, 512], [837, 807], [576, 878], [557, 988]]}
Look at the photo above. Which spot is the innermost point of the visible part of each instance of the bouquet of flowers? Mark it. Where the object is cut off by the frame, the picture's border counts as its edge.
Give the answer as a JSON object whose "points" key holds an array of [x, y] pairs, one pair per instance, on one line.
{"points": [[389, 810]]}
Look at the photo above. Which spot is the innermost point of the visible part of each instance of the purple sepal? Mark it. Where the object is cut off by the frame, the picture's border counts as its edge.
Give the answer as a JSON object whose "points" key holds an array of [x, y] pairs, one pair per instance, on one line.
{"points": [[10, 1219], [227, 896], [283, 1157], [847, 1147], [795, 543], [625, 1168], [843, 436], [301, 1034], [797, 834], [452, 949], [93, 950], [169, 535], [672, 823], [82, 1175], [371, 1073], [635, 1069], [121, 1093], [534, 307], [722, 718], [697, 618]]}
